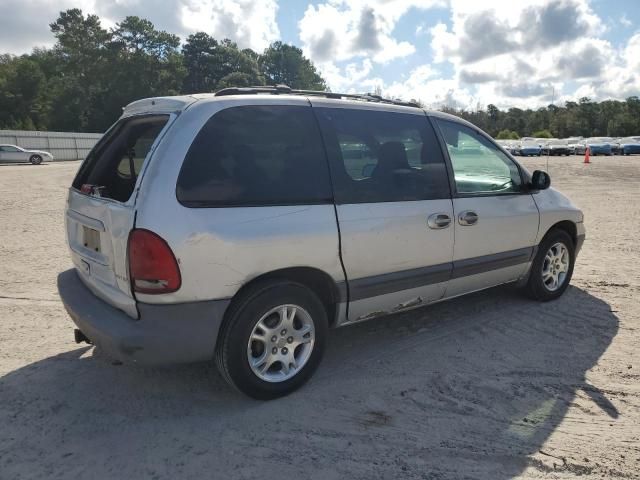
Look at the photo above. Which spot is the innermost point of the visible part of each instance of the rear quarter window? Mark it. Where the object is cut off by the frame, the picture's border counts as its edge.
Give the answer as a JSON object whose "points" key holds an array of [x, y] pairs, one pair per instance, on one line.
{"points": [[256, 156]]}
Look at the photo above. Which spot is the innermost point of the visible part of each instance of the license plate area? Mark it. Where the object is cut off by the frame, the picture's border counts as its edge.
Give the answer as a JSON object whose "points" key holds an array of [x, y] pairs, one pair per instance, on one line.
{"points": [[91, 239]]}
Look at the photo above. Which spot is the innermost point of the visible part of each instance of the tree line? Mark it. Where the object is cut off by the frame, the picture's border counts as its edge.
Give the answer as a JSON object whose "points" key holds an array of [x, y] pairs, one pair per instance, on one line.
{"points": [[82, 83], [585, 118]]}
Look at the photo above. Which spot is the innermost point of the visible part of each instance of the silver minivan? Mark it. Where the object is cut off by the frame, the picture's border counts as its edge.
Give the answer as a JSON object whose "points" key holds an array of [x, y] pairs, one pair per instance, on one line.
{"points": [[242, 225]]}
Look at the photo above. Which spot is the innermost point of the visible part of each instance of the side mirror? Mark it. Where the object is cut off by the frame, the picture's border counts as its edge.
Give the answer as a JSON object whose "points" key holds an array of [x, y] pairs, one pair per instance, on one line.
{"points": [[540, 180]]}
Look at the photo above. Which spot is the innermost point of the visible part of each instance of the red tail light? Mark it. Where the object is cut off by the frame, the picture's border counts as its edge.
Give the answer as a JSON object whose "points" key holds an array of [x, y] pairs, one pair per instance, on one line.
{"points": [[152, 266]]}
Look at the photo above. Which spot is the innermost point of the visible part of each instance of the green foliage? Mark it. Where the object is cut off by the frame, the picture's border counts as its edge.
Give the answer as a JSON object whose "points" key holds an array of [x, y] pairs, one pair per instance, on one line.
{"points": [[507, 134], [82, 83], [542, 134], [611, 118], [285, 64]]}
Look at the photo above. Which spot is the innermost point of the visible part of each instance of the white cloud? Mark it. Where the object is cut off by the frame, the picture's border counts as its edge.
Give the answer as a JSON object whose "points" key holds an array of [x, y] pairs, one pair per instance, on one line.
{"points": [[506, 52], [340, 30], [624, 21], [489, 28], [249, 23], [433, 92], [353, 78], [517, 53]]}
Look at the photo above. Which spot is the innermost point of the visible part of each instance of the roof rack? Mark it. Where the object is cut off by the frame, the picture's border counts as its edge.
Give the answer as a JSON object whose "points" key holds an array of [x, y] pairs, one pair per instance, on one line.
{"points": [[286, 90]]}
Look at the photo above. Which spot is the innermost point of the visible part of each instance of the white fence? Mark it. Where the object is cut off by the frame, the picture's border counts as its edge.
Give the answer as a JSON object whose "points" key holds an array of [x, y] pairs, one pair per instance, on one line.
{"points": [[62, 145]]}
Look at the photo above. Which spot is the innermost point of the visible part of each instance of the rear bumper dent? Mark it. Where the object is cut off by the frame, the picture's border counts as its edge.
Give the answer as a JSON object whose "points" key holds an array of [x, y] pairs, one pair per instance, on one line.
{"points": [[164, 334]]}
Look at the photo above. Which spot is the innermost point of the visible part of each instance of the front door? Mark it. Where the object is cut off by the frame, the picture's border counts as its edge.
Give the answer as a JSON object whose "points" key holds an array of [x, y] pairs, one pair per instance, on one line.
{"points": [[496, 220], [393, 205], [11, 154]]}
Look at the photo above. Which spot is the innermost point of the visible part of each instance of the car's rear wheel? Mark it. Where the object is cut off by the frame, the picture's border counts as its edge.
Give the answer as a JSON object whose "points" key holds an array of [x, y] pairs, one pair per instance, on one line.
{"points": [[272, 340], [552, 267], [35, 159]]}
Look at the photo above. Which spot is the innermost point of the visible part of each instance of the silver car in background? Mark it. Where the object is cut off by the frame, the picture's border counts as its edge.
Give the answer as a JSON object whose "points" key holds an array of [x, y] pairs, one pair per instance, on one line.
{"points": [[574, 144], [240, 226], [15, 154]]}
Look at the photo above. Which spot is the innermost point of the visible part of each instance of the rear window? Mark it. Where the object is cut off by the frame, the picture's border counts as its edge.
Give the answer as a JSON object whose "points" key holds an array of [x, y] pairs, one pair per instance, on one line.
{"points": [[112, 167], [255, 156]]}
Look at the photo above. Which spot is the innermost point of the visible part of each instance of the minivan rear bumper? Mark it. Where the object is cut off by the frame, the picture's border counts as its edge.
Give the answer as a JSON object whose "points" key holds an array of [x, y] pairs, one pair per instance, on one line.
{"points": [[164, 334]]}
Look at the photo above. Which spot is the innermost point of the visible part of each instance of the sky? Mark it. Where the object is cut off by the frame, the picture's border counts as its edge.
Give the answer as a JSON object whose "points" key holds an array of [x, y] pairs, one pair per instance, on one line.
{"points": [[458, 53]]}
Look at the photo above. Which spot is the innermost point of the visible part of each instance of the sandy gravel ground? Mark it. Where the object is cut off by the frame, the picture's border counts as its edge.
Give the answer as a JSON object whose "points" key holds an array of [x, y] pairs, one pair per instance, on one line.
{"points": [[489, 386]]}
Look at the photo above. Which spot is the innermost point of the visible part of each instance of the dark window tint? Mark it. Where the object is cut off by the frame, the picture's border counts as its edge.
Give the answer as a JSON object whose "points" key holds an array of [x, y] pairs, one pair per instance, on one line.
{"points": [[383, 156], [256, 155], [112, 167]]}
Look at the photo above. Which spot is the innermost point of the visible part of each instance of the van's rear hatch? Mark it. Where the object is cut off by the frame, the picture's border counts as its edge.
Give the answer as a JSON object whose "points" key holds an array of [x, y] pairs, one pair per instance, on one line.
{"points": [[101, 204]]}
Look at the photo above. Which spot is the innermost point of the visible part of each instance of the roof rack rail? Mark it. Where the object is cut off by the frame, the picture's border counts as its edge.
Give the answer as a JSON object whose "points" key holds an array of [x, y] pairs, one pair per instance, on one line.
{"points": [[284, 89]]}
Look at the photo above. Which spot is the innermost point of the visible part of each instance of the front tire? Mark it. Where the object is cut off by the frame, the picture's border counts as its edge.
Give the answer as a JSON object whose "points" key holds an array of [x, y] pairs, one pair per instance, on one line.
{"points": [[272, 339], [552, 268], [35, 159]]}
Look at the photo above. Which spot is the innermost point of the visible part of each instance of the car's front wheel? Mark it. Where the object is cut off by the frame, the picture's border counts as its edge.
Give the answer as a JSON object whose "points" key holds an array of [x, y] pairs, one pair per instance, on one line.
{"points": [[35, 159], [552, 267], [272, 340]]}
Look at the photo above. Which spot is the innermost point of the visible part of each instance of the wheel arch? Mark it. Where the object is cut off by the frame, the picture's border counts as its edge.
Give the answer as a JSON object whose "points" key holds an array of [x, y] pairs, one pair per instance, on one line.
{"points": [[316, 280], [567, 226]]}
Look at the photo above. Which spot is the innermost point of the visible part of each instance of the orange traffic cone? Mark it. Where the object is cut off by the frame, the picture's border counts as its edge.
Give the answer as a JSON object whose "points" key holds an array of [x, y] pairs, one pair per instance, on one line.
{"points": [[586, 155]]}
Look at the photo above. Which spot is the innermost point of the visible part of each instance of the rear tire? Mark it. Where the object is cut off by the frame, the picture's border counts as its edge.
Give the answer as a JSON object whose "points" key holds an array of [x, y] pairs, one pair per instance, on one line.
{"points": [[35, 159], [548, 264], [247, 355]]}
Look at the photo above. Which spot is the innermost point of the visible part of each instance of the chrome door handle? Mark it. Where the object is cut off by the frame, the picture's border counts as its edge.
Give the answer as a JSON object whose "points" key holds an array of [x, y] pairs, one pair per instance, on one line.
{"points": [[468, 218], [438, 221]]}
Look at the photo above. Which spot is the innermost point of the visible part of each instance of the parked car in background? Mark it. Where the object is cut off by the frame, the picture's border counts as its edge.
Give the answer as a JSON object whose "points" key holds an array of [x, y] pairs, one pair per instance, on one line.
{"points": [[16, 154], [513, 148], [530, 149], [581, 147], [630, 146], [573, 143], [508, 145], [615, 145], [232, 241], [599, 145], [555, 146]]}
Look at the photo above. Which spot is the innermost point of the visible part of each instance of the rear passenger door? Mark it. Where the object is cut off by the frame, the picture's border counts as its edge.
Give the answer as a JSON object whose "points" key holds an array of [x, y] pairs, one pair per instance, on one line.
{"points": [[496, 219], [393, 205]]}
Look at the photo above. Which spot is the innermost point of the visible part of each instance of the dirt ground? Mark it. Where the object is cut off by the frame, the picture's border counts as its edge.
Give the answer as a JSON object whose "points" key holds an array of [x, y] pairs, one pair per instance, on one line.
{"points": [[488, 386]]}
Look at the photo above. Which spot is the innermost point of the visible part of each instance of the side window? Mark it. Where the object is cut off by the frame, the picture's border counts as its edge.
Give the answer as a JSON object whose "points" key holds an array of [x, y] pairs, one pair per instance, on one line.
{"points": [[10, 149], [379, 156], [478, 165], [255, 156]]}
